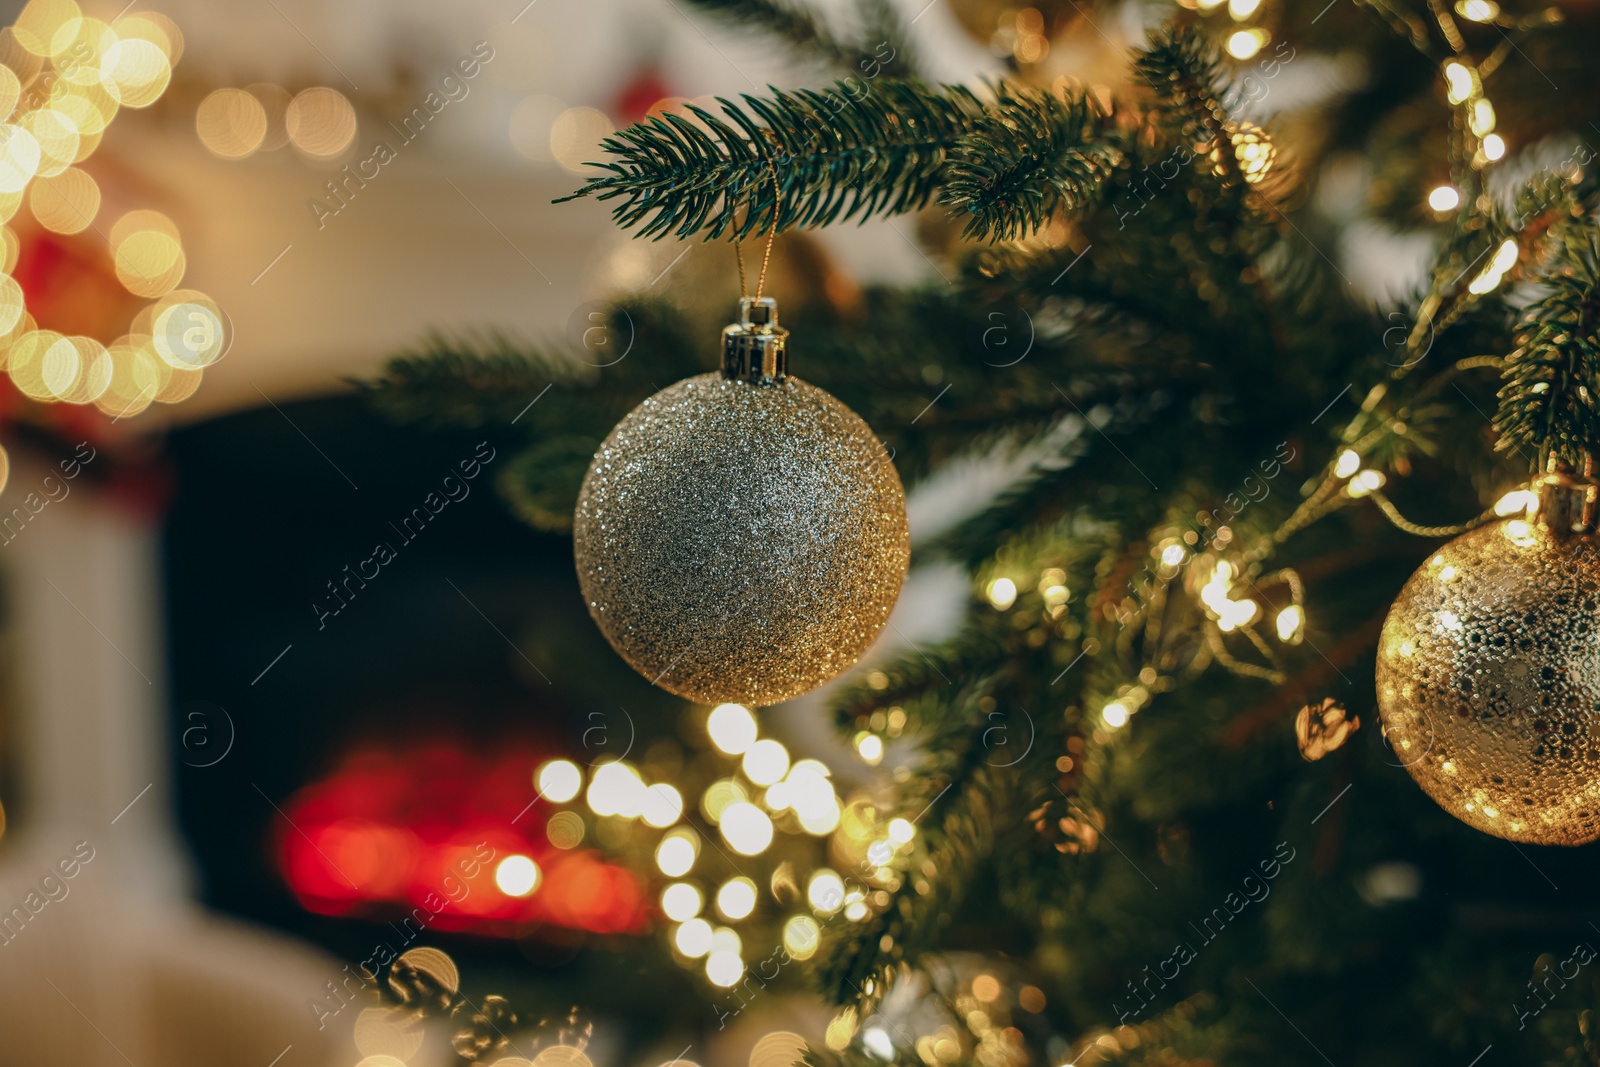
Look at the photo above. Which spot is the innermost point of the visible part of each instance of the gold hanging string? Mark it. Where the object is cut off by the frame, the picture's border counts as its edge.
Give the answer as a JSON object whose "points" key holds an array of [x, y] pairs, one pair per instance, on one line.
{"points": [[772, 233], [761, 279]]}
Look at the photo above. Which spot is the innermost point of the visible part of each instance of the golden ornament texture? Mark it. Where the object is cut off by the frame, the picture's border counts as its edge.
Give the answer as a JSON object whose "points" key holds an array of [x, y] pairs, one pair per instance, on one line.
{"points": [[741, 542], [1489, 682]]}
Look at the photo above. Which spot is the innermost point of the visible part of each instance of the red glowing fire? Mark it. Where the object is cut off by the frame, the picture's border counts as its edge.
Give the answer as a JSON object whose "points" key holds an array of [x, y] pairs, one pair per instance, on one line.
{"points": [[397, 830]]}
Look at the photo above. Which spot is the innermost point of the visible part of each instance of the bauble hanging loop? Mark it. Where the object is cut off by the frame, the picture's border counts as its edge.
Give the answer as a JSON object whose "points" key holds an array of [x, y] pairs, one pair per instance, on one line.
{"points": [[1489, 671], [741, 536]]}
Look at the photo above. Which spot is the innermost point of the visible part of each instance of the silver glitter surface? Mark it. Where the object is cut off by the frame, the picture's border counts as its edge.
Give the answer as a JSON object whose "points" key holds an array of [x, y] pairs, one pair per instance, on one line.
{"points": [[740, 542], [1489, 682]]}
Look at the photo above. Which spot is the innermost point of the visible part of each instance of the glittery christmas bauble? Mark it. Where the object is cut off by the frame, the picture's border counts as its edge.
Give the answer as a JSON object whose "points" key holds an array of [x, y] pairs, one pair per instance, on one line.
{"points": [[1489, 681], [741, 536]]}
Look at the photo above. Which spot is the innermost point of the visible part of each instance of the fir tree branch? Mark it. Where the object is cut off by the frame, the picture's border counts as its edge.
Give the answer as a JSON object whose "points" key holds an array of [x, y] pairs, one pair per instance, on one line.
{"points": [[837, 155], [1033, 155], [802, 31], [1550, 403], [1185, 69], [843, 154]]}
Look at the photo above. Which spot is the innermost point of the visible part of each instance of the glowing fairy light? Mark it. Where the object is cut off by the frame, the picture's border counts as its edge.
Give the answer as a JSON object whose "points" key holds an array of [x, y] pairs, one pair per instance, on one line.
{"points": [[558, 780], [681, 902], [1365, 483], [677, 852], [517, 876], [693, 938], [1349, 462], [746, 828], [766, 762], [1478, 10], [1481, 119], [1505, 257], [1115, 714], [1461, 84], [1290, 621], [1517, 502], [1244, 44], [732, 728], [1494, 147], [825, 893], [1444, 198], [1002, 593], [736, 899], [869, 747]]}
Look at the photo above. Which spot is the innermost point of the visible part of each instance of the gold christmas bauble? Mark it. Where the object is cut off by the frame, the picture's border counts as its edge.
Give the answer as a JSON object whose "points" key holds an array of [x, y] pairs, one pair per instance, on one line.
{"points": [[741, 536], [1489, 681]]}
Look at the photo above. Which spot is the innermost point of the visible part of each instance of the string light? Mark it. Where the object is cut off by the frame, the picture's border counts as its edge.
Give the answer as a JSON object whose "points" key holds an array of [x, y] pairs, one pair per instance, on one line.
{"points": [[1518, 501], [1478, 10], [1290, 622], [681, 902], [736, 899], [1244, 44], [1115, 714], [517, 876], [1364, 483], [1494, 146], [558, 780], [1505, 257], [1461, 83], [677, 852], [1444, 198], [1002, 593], [732, 728]]}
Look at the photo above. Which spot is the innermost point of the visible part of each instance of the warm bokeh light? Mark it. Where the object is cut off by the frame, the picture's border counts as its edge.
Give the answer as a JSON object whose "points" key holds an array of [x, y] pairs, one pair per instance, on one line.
{"points": [[558, 780], [320, 122], [724, 968], [66, 202], [732, 728], [681, 902], [231, 123], [901, 831], [187, 330], [869, 747], [565, 829], [781, 1048], [826, 891], [274, 101], [616, 789], [139, 69], [39, 21], [517, 876], [1289, 622], [575, 137], [1494, 147], [1002, 593], [693, 938], [1444, 198], [766, 762], [1478, 10], [737, 898], [1244, 44], [746, 828], [1115, 714], [57, 136], [663, 805], [154, 27], [149, 263], [677, 852], [801, 935], [718, 796]]}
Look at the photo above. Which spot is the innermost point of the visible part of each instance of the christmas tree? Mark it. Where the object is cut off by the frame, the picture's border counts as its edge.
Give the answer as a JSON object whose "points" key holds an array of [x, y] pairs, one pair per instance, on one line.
{"points": [[1149, 786]]}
